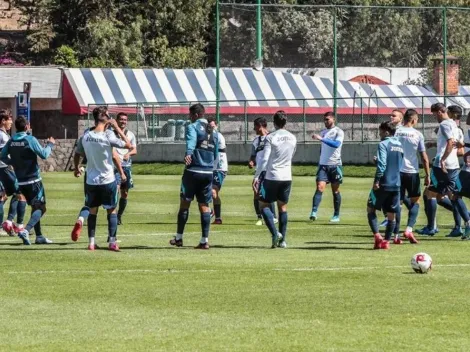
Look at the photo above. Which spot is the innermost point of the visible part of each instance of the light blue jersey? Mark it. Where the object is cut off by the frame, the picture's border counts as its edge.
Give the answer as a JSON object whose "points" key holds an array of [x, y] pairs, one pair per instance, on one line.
{"points": [[412, 142], [389, 163]]}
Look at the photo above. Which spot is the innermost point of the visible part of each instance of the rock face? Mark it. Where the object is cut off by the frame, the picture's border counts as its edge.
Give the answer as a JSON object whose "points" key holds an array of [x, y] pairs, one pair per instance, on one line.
{"points": [[9, 17], [62, 154]]}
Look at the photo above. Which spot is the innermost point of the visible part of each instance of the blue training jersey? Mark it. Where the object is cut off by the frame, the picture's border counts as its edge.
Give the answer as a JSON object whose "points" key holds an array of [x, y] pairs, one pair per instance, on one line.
{"points": [[22, 152], [202, 145], [389, 164]]}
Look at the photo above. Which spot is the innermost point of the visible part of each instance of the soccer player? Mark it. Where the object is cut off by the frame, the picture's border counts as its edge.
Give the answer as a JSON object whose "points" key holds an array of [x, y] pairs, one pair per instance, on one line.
{"points": [[220, 172], [201, 152], [275, 185], [101, 187], [257, 152], [385, 193], [412, 142], [330, 169], [9, 184], [22, 152], [446, 167], [126, 163]]}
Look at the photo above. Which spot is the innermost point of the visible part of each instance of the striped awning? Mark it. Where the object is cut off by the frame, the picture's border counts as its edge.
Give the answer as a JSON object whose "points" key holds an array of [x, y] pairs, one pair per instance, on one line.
{"points": [[259, 90]]}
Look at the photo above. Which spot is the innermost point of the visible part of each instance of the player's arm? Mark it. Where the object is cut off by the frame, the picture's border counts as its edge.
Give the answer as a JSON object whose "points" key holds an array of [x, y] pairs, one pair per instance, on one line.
{"points": [[251, 162], [5, 155], [267, 153], [36, 147], [121, 135], [79, 152], [132, 151], [381, 165], [191, 140], [424, 160], [333, 143], [447, 132]]}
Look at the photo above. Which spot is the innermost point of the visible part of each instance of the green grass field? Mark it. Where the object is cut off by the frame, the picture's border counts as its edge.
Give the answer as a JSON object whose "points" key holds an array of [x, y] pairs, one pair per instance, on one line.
{"points": [[329, 291]]}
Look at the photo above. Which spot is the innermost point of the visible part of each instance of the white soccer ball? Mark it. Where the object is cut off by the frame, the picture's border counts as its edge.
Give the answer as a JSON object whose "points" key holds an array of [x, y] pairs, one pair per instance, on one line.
{"points": [[421, 263]]}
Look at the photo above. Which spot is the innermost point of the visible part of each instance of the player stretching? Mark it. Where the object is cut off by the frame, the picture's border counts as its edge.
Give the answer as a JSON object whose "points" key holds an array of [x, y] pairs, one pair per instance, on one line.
{"points": [[101, 188], [220, 172], [446, 167], [22, 152], [275, 185], [330, 169], [412, 142], [9, 183], [257, 152], [385, 193], [125, 157], [201, 152]]}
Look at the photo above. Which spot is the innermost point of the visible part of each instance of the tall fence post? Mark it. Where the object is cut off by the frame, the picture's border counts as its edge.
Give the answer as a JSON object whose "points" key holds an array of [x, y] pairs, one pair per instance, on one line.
{"points": [[245, 113], [153, 122], [362, 121], [422, 117], [217, 62], [304, 116], [444, 35], [335, 64]]}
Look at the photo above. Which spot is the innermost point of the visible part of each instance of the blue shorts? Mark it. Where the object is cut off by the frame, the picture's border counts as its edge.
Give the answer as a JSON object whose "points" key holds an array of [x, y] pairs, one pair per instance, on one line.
{"points": [[34, 193], [199, 185], [464, 178], [9, 181], [330, 173], [129, 183], [105, 195], [443, 183], [218, 179], [388, 201], [410, 185], [271, 191]]}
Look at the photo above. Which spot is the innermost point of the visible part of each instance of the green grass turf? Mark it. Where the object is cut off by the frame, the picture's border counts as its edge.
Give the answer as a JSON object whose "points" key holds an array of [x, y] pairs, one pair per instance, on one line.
{"points": [[327, 292]]}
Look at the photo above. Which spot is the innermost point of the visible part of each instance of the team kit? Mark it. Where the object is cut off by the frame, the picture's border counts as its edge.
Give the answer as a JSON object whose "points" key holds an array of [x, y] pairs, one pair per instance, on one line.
{"points": [[107, 149]]}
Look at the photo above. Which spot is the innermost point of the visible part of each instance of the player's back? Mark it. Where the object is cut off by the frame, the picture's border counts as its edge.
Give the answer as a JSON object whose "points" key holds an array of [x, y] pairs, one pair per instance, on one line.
{"points": [[391, 159], [412, 142], [99, 154], [282, 144]]}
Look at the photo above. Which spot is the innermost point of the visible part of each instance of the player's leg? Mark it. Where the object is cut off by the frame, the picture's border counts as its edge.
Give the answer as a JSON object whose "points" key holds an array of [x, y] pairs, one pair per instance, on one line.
{"points": [[454, 187], [374, 203], [91, 226], [336, 202], [110, 200], [187, 193], [283, 199], [321, 180], [464, 178], [259, 222], [268, 195], [3, 199], [204, 197], [392, 206], [124, 193], [217, 205], [82, 216]]}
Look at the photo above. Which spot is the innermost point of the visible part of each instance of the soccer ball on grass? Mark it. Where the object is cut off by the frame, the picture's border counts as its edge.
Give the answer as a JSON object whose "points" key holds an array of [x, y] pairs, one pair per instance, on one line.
{"points": [[421, 263]]}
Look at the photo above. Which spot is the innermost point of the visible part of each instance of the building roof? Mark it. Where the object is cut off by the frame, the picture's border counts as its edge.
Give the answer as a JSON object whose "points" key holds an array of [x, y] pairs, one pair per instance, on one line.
{"points": [[46, 82]]}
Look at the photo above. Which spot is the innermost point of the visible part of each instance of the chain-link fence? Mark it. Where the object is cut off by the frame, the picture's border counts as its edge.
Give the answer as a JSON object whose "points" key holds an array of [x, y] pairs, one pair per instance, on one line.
{"points": [[359, 118]]}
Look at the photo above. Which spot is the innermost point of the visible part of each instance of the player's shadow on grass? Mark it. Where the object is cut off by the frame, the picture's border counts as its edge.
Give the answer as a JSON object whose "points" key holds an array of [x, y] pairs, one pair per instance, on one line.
{"points": [[334, 242], [221, 246], [329, 248]]}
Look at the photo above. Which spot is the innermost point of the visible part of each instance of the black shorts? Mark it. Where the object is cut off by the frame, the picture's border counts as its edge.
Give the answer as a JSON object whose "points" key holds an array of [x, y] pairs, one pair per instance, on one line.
{"points": [[199, 185], [388, 201], [218, 179], [330, 173], [9, 181], [271, 191], [443, 183], [34, 193], [105, 195], [464, 178], [129, 183], [410, 185]]}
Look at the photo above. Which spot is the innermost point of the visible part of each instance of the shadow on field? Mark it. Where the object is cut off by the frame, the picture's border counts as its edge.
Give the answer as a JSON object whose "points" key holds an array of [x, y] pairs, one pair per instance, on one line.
{"points": [[329, 248], [333, 242], [239, 247]]}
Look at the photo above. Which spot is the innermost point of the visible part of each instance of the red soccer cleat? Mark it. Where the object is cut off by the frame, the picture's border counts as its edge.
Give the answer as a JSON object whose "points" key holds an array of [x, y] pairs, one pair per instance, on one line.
{"points": [[384, 245], [377, 240], [202, 246], [217, 222], [8, 228], [92, 247], [77, 229], [113, 247], [410, 237], [17, 228], [176, 243], [397, 240]]}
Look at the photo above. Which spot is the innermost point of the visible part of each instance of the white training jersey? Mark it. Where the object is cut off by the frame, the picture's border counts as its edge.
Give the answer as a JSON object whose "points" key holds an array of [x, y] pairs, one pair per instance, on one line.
{"points": [[221, 162], [98, 148], [466, 167], [413, 143], [123, 151], [279, 148], [447, 129], [258, 151], [331, 155], [4, 138]]}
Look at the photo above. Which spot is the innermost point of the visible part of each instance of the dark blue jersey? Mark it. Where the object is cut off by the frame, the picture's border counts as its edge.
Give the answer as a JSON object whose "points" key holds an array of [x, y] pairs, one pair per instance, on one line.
{"points": [[202, 145], [22, 152], [389, 162]]}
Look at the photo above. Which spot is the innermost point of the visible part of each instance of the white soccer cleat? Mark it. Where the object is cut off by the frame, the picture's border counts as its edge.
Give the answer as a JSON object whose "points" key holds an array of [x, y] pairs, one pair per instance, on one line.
{"points": [[283, 244], [276, 220], [42, 240], [259, 222]]}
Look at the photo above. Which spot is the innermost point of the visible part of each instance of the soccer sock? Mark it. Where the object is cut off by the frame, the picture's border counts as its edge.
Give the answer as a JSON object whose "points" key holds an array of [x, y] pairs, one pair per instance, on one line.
{"points": [[283, 224], [431, 215], [269, 221], [112, 227], [13, 208], [272, 206], [407, 203], [183, 215], [462, 209], [425, 201], [91, 227], [84, 213], [35, 217], [396, 228], [2, 211], [457, 217], [21, 210], [391, 224], [122, 206], [337, 203], [413, 215], [205, 226], [374, 225], [256, 206], [316, 200], [37, 229], [445, 203], [217, 210]]}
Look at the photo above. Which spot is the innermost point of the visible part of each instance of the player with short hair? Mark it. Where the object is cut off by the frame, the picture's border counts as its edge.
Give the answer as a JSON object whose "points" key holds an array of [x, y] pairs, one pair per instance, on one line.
{"points": [[446, 168], [260, 126], [21, 152], [412, 142], [220, 172], [330, 169], [124, 185], [385, 193], [275, 184], [9, 184], [396, 118], [101, 187], [201, 152]]}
